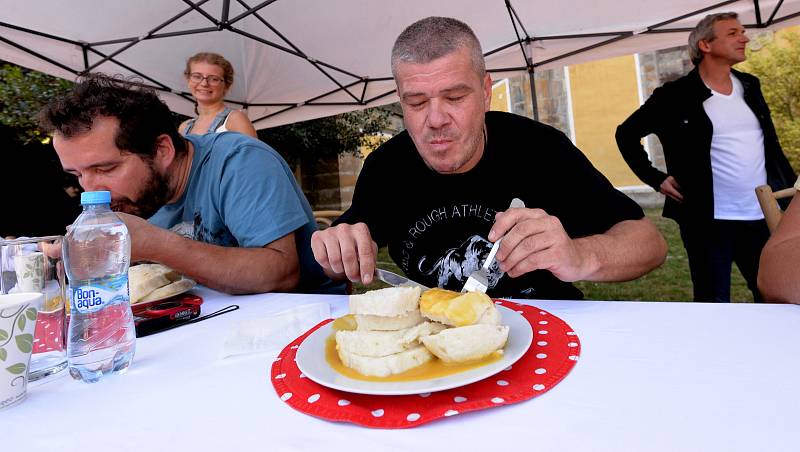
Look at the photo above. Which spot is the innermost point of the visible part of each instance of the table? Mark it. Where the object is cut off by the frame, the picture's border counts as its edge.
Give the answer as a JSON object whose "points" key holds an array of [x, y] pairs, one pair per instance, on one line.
{"points": [[652, 377]]}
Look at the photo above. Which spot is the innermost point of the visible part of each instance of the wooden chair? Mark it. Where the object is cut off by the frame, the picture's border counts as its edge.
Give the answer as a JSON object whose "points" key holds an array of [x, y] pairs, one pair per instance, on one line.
{"points": [[769, 203], [325, 217]]}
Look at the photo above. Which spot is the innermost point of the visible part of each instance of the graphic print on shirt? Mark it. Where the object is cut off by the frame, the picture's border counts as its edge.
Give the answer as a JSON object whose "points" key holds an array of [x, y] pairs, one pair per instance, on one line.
{"points": [[448, 257], [198, 231], [184, 229], [458, 263]]}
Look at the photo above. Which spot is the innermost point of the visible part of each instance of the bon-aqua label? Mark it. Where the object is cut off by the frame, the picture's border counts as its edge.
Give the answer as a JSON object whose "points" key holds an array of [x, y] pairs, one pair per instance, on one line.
{"points": [[93, 295]]}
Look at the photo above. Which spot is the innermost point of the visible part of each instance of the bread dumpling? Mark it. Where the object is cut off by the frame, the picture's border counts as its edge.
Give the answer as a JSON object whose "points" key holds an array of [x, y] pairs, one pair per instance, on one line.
{"points": [[384, 343], [143, 279], [381, 323], [386, 365], [388, 302], [457, 309], [467, 343]]}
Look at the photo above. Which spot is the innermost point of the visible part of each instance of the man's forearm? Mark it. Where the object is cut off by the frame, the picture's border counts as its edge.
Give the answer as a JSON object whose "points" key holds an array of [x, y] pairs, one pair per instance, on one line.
{"points": [[629, 137], [778, 278], [777, 275], [273, 268], [626, 251]]}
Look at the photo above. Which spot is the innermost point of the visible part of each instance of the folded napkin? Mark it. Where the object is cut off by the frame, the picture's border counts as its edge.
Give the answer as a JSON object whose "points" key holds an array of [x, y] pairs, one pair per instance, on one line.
{"points": [[273, 332]]}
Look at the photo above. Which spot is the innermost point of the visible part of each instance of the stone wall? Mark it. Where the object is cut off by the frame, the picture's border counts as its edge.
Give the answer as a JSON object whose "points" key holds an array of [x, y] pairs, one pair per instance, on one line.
{"points": [[551, 97], [349, 167], [319, 179]]}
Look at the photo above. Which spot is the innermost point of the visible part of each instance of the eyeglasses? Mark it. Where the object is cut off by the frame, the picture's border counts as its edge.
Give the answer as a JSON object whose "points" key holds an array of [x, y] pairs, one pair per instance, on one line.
{"points": [[212, 80]]}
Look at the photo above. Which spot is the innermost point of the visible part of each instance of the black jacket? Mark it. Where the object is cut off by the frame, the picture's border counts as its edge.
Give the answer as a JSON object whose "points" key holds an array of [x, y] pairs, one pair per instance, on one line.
{"points": [[674, 112]]}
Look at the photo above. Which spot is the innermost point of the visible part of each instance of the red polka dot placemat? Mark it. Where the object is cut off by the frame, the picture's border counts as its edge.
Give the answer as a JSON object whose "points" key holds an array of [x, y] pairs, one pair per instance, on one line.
{"points": [[49, 333], [551, 356]]}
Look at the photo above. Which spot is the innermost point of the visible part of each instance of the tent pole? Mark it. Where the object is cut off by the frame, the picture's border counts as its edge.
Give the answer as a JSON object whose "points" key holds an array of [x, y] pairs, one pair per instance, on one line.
{"points": [[534, 103], [531, 77]]}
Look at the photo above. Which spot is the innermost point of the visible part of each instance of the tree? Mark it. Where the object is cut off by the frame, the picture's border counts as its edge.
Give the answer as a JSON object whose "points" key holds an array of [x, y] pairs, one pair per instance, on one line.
{"points": [[23, 93], [324, 138], [776, 63]]}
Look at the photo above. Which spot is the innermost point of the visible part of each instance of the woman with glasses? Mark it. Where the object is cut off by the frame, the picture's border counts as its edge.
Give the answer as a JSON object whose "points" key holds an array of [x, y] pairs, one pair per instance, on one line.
{"points": [[210, 76]]}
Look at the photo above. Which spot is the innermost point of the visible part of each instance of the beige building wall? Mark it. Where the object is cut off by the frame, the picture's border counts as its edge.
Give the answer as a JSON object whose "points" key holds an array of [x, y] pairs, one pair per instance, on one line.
{"points": [[500, 97], [604, 93]]}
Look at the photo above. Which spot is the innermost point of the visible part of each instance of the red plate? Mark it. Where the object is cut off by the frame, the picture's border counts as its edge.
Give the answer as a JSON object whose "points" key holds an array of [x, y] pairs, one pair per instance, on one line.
{"points": [[155, 316], [157, 308]]}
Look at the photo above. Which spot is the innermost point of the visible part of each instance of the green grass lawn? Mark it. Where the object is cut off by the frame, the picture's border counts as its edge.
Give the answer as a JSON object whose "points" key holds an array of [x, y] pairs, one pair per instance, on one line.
{"points": [[670, 282]]}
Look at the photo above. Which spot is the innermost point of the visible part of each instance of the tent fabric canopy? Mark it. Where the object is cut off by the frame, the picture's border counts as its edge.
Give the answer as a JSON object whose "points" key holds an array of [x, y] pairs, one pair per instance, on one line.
{"points": [[302, 59]]}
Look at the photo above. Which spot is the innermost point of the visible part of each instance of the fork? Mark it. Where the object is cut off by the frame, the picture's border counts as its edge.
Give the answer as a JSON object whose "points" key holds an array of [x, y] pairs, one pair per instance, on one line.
{"points": [[478, 281]]}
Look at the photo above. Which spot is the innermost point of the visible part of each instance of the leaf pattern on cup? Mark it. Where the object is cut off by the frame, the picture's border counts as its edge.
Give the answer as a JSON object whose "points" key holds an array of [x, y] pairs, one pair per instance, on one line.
{"points": [[17, 369], [24, 342]]}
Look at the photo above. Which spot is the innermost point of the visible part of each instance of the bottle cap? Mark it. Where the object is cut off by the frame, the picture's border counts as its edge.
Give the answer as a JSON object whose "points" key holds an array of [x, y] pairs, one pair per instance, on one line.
{"points": [[95, 197]]}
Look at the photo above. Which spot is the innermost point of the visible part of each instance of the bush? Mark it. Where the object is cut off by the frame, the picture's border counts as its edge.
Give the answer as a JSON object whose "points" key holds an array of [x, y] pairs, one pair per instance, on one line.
{"points": [[776, 63]]}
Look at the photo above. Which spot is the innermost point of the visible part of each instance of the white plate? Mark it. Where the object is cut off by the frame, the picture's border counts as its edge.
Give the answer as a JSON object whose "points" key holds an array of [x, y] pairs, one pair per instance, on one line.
{"points": [[311, 361]]}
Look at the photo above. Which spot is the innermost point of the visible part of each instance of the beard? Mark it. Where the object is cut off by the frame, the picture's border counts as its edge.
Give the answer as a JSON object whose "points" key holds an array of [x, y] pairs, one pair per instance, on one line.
{"points": [[153, 195]]}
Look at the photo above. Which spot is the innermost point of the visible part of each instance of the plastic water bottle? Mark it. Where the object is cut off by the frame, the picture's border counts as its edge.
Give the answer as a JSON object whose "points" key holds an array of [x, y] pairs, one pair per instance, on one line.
{"points": [[101, 337]]}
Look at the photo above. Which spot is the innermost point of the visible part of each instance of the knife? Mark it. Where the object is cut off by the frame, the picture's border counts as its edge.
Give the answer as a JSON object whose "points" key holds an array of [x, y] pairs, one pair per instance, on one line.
{"points": [[393, 279]]}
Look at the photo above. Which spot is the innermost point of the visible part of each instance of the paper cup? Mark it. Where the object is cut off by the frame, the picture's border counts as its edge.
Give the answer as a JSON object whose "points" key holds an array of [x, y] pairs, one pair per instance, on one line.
{"points": [[17, 323], [30, 272], [33, 264]]}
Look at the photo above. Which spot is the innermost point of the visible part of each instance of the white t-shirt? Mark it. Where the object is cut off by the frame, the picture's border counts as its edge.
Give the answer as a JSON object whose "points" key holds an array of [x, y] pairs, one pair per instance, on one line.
{"points": [[737, 155]]}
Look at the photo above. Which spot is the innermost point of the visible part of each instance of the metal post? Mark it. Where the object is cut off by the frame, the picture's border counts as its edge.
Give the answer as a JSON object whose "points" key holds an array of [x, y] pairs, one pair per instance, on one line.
{"points": [[534, 103], [531, 77]]}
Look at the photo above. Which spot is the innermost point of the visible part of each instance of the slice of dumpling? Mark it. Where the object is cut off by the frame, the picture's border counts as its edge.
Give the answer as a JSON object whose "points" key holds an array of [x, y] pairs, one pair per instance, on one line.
{"points": [[386, 365], [466, 343], [384, 343], [381, 323]]}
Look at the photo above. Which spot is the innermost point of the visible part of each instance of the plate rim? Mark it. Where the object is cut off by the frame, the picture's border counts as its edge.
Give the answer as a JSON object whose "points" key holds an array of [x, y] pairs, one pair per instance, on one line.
{"points": [[417, 386]]}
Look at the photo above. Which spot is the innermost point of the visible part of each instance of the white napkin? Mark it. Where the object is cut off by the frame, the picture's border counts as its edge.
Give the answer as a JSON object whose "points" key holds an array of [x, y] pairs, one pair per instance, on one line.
{"points": [[263, 334]]}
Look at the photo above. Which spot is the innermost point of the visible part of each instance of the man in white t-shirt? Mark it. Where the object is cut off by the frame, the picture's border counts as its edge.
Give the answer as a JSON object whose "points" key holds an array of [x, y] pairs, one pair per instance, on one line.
{"points": [[719, 144]]}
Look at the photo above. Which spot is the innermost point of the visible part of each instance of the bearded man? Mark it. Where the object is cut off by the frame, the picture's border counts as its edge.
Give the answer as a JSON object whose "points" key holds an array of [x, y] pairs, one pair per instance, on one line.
{"points": [[223, 209]]}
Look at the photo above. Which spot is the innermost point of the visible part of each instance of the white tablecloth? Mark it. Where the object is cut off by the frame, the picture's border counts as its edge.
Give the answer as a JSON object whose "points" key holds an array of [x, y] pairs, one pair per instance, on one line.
{"points": [[652, 377]]}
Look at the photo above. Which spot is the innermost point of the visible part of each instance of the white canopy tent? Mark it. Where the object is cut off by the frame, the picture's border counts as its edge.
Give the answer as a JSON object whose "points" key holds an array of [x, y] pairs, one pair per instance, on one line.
{"points": [[302, 59]]}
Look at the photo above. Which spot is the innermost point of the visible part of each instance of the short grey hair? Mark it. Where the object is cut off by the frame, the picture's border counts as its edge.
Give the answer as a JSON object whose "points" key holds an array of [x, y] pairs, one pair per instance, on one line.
{"points": [[704, 31], [434, 37]]}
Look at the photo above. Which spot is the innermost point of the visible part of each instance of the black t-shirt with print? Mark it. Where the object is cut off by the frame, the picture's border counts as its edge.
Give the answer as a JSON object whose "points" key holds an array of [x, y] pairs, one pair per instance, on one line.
{"points": [[436, 225]]}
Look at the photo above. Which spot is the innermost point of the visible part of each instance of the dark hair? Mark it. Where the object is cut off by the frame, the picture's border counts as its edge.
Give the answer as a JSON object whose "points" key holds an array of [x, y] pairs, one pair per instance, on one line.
{"points": [[704, 31], [434, 37], [142, 116], [211, 58]]}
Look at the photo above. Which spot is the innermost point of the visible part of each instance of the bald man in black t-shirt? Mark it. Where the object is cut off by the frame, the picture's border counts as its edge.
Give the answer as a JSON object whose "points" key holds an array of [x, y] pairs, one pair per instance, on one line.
{"points": [[438, 194]]}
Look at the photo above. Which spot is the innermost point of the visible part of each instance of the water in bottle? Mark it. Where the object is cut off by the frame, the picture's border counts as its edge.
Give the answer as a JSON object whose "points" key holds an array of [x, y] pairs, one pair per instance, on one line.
{"points": [[101, 338]]}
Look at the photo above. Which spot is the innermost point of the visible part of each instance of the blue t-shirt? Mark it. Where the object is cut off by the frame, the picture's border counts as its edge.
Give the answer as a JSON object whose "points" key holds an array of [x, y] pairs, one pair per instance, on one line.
{"points": [[242, 193]]}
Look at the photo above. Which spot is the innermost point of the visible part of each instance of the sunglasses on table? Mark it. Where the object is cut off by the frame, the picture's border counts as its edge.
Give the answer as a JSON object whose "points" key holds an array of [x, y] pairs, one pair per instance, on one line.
{"points": [[212, 80]]}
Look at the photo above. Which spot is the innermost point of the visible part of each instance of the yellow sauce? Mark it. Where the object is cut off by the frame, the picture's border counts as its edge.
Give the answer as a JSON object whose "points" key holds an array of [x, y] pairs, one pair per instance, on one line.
{"points": [[434, 368], [344, 323]]}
